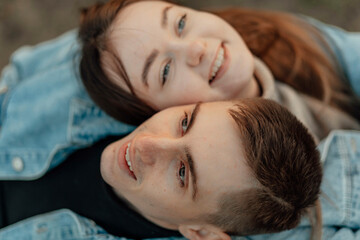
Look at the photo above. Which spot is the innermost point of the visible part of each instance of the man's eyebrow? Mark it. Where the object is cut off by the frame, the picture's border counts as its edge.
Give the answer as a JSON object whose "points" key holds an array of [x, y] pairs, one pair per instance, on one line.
{"points": [[189, 157], [164, 17], [149, 61], [192, 173]]}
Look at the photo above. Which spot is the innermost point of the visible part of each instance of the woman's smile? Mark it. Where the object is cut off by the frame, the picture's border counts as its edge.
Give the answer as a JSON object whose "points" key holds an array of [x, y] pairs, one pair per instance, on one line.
{"points": [[220, 65]]}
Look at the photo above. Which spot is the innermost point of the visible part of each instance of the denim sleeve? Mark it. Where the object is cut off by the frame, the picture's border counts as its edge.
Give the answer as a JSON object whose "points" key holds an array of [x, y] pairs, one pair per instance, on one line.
{"points": [[28, 61], [65, 225], [346, 47], [58, 225], [299, 233]]}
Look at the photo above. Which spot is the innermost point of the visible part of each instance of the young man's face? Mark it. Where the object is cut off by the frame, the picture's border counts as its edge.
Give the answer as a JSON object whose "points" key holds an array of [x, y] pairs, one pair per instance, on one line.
{"points": [[175, 55], [183, 160]]}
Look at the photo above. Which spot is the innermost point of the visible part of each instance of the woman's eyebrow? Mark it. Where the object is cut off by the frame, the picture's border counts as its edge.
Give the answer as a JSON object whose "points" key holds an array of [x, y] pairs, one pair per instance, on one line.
{"points": [[151, 58], [165, 16], [148, 62]]}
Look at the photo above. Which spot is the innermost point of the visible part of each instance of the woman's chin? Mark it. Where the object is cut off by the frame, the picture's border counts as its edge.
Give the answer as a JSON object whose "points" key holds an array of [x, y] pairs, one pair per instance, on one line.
{"points": [[250, 90]]}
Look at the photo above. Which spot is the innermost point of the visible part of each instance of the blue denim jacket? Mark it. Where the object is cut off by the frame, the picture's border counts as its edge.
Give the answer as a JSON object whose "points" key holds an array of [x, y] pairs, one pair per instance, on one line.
{"points": [[340, 154], [45, 113]]}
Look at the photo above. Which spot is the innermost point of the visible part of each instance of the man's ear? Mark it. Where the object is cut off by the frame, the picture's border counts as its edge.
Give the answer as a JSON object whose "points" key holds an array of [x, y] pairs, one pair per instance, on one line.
{"points": [[203, 232]]}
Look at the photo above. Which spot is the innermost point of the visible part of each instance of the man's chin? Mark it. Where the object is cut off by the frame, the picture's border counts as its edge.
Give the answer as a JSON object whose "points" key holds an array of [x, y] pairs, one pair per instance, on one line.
{"points": [[162, 223]]}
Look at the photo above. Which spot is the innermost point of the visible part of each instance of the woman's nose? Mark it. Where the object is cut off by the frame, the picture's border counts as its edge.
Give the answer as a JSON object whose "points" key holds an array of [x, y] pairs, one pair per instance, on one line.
{"points": [[193, 50], [150, 149]]}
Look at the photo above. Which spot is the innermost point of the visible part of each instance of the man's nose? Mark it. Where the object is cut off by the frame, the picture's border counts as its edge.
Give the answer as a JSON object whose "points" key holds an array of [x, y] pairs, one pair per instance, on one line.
{"points": [[150, 149]]}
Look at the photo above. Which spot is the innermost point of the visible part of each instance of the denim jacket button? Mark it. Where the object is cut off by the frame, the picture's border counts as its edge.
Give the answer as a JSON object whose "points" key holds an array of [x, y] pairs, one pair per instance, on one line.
{"points": [[92, 223], [17, 164], [353, 144], [3, 89]]}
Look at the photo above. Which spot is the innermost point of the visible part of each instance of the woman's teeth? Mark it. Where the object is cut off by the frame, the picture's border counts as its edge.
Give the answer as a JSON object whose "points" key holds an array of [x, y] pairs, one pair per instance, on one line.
{"points": [[127, 157], [218, 62]]}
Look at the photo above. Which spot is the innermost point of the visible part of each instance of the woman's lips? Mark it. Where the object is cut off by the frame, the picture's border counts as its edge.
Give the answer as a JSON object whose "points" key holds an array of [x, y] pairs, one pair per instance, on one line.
{"points": [[123, 163], [224, 66]]}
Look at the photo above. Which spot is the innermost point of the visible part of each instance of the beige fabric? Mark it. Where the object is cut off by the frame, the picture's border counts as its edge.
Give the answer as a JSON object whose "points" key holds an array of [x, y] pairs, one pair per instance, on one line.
{"points": [[318, 117]]}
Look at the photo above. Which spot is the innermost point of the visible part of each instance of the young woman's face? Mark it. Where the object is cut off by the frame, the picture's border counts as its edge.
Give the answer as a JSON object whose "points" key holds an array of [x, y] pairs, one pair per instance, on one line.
{"points": [[175, 55], [182, 160]]}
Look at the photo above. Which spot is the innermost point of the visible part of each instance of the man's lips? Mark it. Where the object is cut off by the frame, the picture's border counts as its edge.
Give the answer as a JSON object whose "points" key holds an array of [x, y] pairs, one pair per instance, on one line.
{"points": [[122, 160], [224, 66]]}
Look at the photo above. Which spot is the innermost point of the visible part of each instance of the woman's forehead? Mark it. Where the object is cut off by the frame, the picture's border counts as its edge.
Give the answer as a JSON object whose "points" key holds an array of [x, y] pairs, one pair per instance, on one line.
{"points": [[138, 11]]}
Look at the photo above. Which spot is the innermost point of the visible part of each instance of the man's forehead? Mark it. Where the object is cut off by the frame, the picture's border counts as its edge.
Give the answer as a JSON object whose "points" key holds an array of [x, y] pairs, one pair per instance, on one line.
{"points": [[221, 157]]}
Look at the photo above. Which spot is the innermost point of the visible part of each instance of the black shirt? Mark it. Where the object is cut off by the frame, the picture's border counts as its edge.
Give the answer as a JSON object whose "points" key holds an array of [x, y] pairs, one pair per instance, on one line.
{"points": [[76, 185]]}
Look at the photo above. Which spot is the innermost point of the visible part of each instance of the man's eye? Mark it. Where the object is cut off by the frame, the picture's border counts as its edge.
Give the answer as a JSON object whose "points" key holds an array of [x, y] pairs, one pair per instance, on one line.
{"points": [[182, 172], [181, 24], [184, 123], [165, 72]]}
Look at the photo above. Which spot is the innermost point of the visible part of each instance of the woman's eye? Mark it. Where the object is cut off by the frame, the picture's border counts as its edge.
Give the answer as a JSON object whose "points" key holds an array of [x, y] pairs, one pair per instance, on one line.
{"points": [[181, 24], [165, 73], [182, 173], [184, 124]]}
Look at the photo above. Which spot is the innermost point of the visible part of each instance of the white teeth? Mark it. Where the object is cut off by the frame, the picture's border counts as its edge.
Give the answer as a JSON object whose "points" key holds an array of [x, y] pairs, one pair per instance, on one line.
{"points": [[218, 62], [127, 157]]}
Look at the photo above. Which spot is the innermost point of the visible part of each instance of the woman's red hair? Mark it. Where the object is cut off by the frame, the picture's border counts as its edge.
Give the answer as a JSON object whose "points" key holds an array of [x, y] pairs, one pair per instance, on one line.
{"points": [[296, 54]]}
